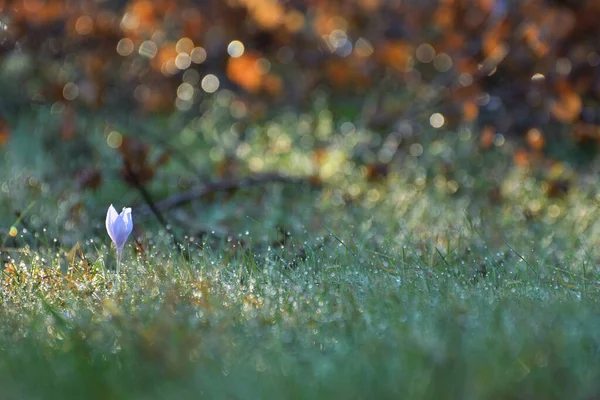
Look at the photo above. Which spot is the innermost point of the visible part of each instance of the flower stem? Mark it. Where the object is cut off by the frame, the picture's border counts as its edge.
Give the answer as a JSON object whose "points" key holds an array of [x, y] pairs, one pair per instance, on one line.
{"points": [[119, 260]]}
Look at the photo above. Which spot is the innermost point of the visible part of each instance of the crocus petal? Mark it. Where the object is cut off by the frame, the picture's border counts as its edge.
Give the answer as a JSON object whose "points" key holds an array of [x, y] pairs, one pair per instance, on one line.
{"points": [[126, 214], [122, 227], [119, 232], [111, 216]]}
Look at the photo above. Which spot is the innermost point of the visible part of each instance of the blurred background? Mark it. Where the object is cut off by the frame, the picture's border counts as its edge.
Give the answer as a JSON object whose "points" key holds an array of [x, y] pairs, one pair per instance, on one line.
{"points": [[106, 90], [510, 66]]}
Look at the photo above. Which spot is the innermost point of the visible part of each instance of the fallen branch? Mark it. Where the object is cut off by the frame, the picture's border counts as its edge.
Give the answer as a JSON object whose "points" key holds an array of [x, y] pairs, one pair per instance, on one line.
{"points": [[183, 198]]}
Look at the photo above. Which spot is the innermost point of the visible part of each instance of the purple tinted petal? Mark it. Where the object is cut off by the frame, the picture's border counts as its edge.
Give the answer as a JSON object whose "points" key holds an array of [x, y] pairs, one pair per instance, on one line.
{"points": [[120, 232], [111, 216], [122, 227], [126, 215]]}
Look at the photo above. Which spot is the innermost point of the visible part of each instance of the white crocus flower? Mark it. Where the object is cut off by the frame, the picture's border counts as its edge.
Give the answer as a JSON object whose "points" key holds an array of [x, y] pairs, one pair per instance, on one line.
{"points": [[119, 226]]}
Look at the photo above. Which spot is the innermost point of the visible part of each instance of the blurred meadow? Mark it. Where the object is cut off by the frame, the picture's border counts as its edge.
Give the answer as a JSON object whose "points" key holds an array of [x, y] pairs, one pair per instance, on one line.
{"points": [[352, 198]]}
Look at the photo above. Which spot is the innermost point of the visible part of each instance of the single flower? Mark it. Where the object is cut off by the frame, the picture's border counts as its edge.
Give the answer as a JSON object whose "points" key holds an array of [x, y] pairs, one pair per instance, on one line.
{"points": [[119, 227]]}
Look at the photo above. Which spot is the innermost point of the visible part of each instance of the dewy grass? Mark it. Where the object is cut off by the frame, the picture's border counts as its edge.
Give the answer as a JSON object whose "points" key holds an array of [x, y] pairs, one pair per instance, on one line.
{"points": [[231, 323], [407, 287]]}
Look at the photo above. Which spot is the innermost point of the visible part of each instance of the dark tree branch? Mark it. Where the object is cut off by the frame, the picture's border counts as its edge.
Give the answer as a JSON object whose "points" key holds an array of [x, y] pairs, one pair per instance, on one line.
{"points": [[183, 198]]}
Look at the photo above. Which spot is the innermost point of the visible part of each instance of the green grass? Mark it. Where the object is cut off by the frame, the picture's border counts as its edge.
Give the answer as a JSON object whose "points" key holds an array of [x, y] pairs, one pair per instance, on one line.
{"points": [[399, 288]]}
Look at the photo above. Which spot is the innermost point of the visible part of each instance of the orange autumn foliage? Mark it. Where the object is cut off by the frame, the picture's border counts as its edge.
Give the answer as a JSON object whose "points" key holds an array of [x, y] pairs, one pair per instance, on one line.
{"points": [[494, 63], [244, 72], [568, 105], [395, 54], [535, 139]]}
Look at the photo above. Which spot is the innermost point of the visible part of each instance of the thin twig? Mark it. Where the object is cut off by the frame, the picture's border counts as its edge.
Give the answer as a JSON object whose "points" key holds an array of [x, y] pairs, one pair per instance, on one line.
{"points": [[149, 202]]}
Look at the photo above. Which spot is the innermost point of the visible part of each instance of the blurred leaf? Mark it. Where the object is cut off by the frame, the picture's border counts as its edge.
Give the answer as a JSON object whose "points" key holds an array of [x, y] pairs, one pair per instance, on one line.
{"points": [[486, 138], [244, 71], [521, 158], [395, 54], [4, 133], [535, 139], [470, 111], [568, 106]]}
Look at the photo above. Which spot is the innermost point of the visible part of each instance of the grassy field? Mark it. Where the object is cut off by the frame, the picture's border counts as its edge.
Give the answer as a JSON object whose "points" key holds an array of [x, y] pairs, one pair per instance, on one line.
{"points": [[455, 276]]}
